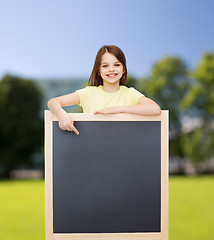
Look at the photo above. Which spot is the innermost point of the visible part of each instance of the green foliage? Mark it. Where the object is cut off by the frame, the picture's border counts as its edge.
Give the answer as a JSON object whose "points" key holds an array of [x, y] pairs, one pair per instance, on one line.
{"points": [[132, 82], [205, 70], [21, 131], [185, 94], [201, 96], [167, 85], [197, 145], [189, 100]]}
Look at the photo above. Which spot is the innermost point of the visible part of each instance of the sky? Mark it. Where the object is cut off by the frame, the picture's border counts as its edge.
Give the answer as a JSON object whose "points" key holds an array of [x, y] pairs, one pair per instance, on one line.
{"points": [[60, 38]]}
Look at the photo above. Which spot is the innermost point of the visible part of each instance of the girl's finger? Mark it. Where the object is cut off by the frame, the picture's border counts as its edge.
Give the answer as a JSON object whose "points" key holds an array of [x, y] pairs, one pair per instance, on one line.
{"points": [[62, 127], [103, 112], [69, 129], [76, 131]]}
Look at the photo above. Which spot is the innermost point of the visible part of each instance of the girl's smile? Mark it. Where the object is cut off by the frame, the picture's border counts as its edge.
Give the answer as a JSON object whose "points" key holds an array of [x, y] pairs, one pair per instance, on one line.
{"points": [[111, 75]]}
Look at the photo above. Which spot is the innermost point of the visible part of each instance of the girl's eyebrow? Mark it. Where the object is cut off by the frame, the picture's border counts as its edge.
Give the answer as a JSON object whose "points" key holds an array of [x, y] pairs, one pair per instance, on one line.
{"points": [[114, 62]]}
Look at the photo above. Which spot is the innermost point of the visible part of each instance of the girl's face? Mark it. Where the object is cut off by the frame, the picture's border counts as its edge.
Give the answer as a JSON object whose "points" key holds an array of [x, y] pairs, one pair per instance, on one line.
{"points": [[111, 70]]}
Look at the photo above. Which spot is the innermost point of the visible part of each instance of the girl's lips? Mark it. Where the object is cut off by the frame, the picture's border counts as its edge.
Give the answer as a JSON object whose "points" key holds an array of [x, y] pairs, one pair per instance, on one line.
{"points": [[113, 75]]}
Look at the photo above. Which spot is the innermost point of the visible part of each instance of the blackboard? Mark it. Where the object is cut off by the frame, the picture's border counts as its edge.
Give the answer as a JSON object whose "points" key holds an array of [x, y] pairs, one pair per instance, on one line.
{"points": [[108, 178]]}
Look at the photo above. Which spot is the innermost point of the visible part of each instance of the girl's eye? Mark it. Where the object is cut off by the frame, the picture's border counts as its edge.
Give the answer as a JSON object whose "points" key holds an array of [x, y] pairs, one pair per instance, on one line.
{"points": [[115, 64]]}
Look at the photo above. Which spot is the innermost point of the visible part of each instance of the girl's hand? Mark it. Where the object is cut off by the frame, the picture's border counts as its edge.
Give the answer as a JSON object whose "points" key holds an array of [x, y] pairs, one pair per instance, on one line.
{"points": [[67, 123], [108, 110]]}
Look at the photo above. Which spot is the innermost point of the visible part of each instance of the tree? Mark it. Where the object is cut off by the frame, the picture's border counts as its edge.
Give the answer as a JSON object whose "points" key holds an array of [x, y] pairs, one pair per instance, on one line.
{"points": [[200, 98], [21, 129], [167, 85], [132, 82], [201, 95]]}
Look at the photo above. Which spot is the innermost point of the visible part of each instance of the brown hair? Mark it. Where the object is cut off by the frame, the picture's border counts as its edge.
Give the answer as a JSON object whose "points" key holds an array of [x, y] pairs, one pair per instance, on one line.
{"points": [[95, 79]]}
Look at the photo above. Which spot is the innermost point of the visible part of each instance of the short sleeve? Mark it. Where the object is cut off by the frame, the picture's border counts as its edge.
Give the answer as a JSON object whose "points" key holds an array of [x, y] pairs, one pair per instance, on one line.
{"points": [[83, 94], [135, 95]]}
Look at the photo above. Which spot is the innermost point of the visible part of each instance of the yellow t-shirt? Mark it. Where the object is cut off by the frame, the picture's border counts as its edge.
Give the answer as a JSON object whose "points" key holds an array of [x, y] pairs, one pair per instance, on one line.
{"points": [[94, 98]]}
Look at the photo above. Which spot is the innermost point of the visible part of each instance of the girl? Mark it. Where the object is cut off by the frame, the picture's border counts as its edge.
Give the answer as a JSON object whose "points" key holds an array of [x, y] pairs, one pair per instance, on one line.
{"points": [[107, 93]]}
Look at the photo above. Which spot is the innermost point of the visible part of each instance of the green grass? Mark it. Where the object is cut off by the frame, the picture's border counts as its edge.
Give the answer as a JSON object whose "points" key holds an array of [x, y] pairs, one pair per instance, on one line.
{"points": [[191, 209], [22, 210]]}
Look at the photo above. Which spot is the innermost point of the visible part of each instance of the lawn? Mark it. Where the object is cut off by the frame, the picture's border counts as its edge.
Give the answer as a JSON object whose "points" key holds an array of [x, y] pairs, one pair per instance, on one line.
{"points": [[22, 210], [191, 208]]}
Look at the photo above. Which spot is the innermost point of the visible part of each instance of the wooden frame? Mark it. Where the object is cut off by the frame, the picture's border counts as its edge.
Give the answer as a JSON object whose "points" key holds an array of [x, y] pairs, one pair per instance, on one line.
{"points": [[49, 235]]}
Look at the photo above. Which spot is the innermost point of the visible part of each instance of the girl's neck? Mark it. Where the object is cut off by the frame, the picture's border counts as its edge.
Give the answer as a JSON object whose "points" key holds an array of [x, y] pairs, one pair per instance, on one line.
{"points": [[111, 88]]}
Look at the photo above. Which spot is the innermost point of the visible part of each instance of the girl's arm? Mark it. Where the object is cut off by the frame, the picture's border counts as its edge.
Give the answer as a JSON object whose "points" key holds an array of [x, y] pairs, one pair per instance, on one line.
{"points": [[145, 106], [56, 104]]}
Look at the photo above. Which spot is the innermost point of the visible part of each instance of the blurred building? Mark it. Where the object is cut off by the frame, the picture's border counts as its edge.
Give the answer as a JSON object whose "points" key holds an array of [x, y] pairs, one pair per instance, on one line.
{"points": [[57, 87]]}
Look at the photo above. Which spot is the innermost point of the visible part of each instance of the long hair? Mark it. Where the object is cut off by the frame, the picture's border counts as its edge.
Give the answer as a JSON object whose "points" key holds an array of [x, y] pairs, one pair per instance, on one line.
{"points": [[95, 79]]}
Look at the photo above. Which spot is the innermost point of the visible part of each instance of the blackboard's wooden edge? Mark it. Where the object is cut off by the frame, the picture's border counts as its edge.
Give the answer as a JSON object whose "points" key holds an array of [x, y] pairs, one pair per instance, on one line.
{"points": [[48, 176], [112, 117], [165, 175], [109, 236], [49, 118]]}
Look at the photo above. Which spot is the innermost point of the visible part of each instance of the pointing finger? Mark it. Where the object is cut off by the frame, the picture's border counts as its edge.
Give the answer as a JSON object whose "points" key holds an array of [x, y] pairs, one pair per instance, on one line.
{"points": [[75, 130]]}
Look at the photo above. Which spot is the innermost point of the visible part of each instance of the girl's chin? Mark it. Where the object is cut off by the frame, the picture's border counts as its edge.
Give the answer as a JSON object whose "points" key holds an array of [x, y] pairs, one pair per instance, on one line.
{"points": [[111, 82]]}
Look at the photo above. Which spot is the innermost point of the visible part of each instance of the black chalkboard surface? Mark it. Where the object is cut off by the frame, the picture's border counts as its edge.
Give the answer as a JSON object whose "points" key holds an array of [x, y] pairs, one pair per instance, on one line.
{"points": [[107, 179]]}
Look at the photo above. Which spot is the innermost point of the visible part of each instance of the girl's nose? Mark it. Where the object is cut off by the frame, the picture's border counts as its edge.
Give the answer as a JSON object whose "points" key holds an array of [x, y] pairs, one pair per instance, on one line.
{"points": [[111, 68]]}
